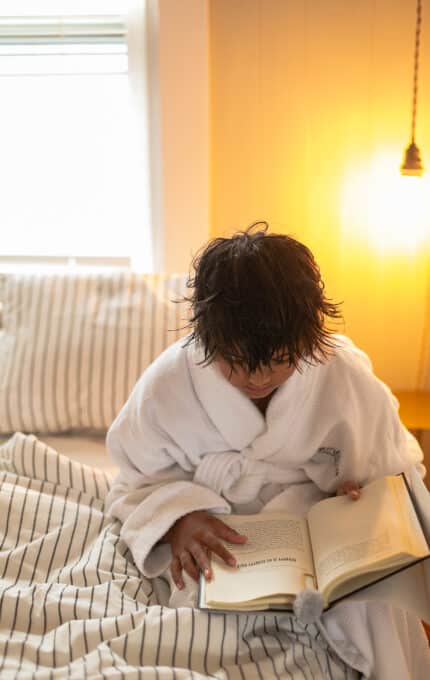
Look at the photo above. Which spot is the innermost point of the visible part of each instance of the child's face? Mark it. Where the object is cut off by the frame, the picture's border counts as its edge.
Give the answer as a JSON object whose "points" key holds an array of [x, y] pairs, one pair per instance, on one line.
{"points": [[262, 382]]}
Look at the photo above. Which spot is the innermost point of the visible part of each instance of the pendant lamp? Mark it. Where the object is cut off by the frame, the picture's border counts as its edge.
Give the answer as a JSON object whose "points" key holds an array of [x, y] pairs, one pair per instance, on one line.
{"points": [[412, 164]]}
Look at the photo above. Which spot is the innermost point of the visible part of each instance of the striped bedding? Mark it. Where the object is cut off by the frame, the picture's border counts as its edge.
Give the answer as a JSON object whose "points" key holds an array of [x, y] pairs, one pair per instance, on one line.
{"points": [[73, 344], [73, 605]]}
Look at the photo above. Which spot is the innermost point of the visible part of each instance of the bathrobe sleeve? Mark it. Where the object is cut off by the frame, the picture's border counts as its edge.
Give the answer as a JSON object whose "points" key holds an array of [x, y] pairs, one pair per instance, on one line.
{"points": [[368, 439], [155, 486]]}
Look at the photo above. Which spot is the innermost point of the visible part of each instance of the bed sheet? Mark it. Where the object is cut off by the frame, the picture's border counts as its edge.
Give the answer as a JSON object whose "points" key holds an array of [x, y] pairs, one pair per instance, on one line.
{"points": [[74, 605], [83, 448], [87, 449]]}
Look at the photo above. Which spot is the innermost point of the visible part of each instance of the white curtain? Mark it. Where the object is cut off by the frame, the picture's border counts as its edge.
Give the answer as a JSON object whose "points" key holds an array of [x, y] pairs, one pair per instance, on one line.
{"points": [[75, 168], [142, 42]]}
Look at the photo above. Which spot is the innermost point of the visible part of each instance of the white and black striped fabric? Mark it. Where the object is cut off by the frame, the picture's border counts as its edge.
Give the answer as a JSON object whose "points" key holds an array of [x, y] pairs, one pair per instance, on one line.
{"points": [[73, 605], [72, 345]]}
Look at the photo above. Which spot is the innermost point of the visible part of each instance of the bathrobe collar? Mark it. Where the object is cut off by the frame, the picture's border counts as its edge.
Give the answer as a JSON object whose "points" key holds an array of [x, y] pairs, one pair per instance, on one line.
{"points": [[233, 413]]}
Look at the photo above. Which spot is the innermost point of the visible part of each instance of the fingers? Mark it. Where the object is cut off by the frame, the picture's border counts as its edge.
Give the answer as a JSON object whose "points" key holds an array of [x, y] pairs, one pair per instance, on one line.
{"points": [[191, 547], [184, 562], [176, 571], [191, 561], [218, 548], [227, 533], [201, 559], [349, 488], [189, 565]]}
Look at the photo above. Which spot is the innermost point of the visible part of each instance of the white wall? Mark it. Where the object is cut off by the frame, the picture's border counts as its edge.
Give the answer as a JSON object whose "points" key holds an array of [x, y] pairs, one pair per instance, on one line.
{"points": [[180, 125]]}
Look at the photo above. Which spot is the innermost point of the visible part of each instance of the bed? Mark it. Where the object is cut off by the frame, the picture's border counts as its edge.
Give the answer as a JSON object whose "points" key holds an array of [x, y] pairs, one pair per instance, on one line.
{"points": [[73, 605], [72, 602]]}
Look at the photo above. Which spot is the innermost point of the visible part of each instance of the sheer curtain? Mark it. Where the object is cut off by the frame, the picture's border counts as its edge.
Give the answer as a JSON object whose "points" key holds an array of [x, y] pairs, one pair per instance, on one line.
{"points": [[75, 169], [143, 71]]}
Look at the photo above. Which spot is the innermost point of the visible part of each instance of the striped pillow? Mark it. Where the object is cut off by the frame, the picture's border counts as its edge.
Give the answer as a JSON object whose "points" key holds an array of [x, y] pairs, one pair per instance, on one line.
{"points": [[72, 345]]}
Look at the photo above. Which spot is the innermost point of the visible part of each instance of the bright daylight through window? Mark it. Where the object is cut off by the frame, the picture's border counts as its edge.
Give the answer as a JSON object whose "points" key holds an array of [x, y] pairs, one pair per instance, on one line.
{"points": [[73, 174]]}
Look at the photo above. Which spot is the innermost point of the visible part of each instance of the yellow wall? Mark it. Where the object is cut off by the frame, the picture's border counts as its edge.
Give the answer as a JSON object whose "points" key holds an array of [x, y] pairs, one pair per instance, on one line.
{"points": [[301, 93], [180, 130]]}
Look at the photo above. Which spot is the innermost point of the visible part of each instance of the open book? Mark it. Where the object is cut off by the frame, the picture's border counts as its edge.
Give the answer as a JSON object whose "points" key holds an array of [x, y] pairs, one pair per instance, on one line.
{"points": [[343, 545]]}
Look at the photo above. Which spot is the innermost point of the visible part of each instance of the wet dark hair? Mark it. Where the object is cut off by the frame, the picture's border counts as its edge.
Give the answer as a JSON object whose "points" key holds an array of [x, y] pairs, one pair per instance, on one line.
{"points": [[256, 296]]}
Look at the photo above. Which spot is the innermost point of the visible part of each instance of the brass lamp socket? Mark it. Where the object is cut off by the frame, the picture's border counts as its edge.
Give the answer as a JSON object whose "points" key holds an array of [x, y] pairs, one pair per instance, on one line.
{"points": [[412, 164]]}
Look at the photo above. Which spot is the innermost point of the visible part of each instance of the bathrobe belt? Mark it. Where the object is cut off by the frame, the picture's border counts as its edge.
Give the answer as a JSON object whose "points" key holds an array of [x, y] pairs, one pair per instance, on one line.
{"points": [[236, 477]]}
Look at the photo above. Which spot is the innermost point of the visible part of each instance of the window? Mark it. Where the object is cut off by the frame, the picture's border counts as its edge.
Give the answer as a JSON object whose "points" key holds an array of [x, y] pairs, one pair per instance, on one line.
{"points": [[73, 173]]}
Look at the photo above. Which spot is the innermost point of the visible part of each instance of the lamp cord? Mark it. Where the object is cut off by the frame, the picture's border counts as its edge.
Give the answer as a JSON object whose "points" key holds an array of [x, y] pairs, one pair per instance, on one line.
{"points": [[416, 67], [423, 358]]}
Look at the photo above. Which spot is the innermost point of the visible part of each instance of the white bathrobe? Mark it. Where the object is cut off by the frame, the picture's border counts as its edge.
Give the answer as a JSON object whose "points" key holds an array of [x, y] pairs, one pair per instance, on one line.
{"points": [[188, 440]]}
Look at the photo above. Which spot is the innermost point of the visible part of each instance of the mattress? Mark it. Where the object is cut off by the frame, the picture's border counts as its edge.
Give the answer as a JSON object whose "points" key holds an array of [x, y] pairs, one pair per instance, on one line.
{"points": [[89, 449]]}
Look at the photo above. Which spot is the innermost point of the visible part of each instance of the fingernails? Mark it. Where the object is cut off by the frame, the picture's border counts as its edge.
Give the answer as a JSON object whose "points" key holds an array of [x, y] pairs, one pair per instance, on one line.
{"points": [[232, 562], [354, 494], [207, 573], [180, 585]]}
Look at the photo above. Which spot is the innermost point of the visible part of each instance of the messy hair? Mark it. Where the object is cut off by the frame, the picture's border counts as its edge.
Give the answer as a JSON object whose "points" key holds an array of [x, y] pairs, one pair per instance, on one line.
{"points": [[256, 296]]}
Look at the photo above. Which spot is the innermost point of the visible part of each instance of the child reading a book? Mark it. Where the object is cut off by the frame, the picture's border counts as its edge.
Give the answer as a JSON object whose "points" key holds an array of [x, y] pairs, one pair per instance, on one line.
{"points": [[261, 408]]}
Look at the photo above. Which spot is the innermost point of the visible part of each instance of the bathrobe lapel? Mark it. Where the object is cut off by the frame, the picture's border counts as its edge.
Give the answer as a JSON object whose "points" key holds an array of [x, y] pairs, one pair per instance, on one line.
{"points": [[235, 416]]}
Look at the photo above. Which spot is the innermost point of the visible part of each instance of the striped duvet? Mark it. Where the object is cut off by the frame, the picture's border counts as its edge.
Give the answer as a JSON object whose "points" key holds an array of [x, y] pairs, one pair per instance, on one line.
{"points": [[73, 604]]}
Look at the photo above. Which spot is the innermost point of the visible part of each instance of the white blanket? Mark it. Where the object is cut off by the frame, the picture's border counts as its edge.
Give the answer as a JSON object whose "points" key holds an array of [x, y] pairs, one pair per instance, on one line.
{"points": [[74, 605]]}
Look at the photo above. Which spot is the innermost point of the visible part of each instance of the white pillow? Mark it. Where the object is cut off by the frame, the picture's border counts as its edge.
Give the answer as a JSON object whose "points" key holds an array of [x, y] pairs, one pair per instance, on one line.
{"points": [[73, 344]]}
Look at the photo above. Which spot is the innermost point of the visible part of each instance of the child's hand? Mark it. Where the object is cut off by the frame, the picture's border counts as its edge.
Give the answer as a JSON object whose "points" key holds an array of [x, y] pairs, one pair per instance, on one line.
{"points": [[351, 489], [191, 539]]}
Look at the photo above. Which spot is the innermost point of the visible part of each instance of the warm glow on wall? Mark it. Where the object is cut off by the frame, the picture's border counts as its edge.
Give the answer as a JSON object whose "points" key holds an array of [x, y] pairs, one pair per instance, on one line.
{"points": [[390, 211]]}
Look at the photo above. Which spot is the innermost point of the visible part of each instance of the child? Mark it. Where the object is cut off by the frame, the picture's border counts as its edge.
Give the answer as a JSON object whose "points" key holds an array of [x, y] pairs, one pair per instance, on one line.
{"points": [[261, 408]]}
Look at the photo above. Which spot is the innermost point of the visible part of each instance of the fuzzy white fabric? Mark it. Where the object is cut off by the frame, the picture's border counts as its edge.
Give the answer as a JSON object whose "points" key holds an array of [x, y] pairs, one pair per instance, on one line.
{"points": [[308, 606], [380, 641], [188, 440]]}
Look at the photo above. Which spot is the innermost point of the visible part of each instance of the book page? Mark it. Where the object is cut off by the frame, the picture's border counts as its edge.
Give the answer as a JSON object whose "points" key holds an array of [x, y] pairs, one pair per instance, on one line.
{"points": [[349, 537], [417, 540], [274, 561]]}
